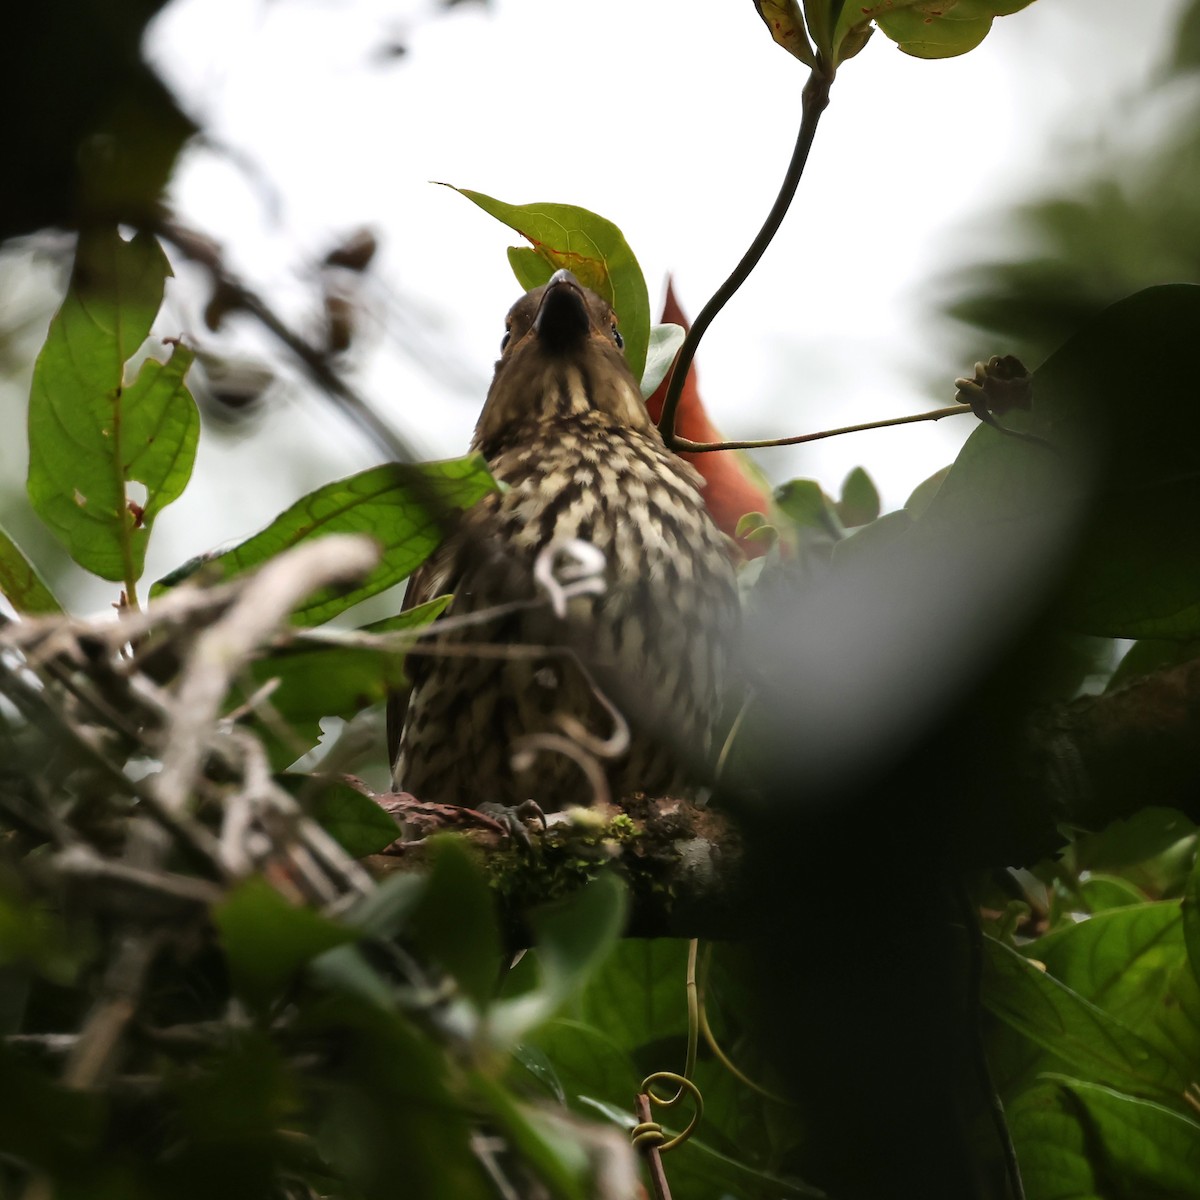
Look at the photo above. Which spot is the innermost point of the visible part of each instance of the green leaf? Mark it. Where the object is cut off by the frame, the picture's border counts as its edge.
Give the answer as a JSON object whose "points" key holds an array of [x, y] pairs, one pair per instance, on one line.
{"points": [[349, 816], [1124, 462], [267, 940], [929, 28], [665, 341], [1059, 1020], [90, 434], [1191, 919], [573, 938], [1103, 892], [807, 507], [923, 494], [872, 538], [1052, 1147], [1149, 1149], [455, 923], [585, 1061], [20, 582], [404, 508], [1132, 962], [859, 504], [592, 249]]}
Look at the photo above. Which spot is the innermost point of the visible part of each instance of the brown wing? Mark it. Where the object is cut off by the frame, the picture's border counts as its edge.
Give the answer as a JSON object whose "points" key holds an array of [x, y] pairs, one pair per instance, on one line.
{"points": [[431, 579]]}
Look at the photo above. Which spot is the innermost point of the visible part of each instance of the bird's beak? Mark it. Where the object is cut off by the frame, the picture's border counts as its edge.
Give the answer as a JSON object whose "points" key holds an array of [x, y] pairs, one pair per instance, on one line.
{"points": [[562, 317]]}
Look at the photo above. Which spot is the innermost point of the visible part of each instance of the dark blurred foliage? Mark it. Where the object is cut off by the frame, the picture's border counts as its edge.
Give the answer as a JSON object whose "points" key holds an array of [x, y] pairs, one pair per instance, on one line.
{"points": [[87, 128], [1131, 222]]}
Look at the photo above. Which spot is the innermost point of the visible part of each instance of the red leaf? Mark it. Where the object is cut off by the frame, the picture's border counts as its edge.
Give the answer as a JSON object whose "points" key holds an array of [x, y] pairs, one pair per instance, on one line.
{"points": [[732, 488]]}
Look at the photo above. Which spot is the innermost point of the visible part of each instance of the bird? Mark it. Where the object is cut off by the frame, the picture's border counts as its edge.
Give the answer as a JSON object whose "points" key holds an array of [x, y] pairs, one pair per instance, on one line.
{"points": [[639, 665]]}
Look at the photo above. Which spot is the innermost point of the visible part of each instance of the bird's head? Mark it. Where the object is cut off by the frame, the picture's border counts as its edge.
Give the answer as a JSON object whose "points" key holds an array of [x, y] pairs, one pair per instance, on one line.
{"points": [[562, 355]]}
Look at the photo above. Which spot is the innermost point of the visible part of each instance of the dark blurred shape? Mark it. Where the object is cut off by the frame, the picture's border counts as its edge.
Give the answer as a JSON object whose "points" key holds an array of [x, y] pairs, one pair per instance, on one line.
{"points": [[231, 389], [1187, 41], [355, 252], [892, 702], [88, 130], [341, 288]]}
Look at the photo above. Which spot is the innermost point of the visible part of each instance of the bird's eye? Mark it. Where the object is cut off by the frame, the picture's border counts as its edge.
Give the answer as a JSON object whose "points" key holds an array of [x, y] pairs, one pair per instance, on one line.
{"points": [[617, 337], [504, 340]]}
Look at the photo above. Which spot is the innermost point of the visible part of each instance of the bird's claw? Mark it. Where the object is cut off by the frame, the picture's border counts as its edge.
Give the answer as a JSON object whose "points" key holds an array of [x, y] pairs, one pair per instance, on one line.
{"points": [[513, 819]]}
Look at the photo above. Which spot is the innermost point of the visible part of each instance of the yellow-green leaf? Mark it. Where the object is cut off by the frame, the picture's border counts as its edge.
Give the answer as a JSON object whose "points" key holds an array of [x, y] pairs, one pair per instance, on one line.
{"points": [[593, 249], [786, 23], [21, 583]]}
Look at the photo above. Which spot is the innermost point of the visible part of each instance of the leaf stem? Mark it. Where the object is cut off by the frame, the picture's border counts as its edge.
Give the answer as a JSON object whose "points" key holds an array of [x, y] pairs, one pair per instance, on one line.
{"points": [[690, 447], [814, 102]]}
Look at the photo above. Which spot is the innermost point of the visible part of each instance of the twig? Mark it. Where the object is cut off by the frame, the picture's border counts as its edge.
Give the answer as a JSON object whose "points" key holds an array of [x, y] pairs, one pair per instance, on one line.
{"points": [[686, 444], [814, 102], [94, 1056], [81, 862], [221, 651], [34, 706], [654, 1164]]}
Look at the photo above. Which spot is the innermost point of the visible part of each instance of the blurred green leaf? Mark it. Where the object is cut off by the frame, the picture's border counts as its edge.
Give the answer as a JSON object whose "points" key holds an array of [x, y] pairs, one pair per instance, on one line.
{"points": [[573, 938], [804, 503], [21, 583], [593, 249], [91, 434], [1058, 1019], [386, 911], [455, 921], [267, 940], [859, 504], [104, 148], [559, 1162], [869, 539], [349, 816], [923, 494], [402, 507], [391, 1113], [51, 1127]]}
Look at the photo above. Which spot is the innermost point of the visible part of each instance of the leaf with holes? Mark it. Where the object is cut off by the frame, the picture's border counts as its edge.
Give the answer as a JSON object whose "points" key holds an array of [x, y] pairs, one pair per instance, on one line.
{"points": [[92, 434]]}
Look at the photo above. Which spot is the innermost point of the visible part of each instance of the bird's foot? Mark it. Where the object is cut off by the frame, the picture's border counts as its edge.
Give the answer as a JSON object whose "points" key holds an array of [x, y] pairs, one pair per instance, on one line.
{"points": [[514, 819]]}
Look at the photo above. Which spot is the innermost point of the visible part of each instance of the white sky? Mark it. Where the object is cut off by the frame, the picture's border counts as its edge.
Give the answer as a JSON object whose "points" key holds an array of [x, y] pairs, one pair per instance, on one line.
{"points": [[675, 121]]}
